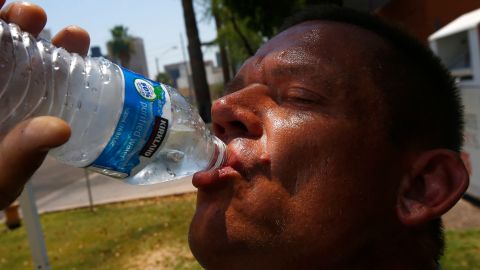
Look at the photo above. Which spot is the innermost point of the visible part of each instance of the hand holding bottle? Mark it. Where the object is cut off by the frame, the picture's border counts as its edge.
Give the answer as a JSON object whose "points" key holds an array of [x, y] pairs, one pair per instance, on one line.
{"points": [[122, 124], [24, 148]]}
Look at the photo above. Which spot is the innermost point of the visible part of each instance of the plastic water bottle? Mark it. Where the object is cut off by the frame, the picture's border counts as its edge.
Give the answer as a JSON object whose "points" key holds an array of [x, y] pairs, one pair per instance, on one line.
{"points": [[123, 125]]}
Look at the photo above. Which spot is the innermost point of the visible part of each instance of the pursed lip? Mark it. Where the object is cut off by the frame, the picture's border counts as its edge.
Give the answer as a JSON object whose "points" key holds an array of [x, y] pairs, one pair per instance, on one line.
{"points": [[206, 180]]}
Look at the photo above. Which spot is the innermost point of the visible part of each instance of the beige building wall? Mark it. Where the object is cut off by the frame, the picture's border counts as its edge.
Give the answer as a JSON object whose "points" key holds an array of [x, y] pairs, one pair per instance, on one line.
{"points": [[138, 60]]}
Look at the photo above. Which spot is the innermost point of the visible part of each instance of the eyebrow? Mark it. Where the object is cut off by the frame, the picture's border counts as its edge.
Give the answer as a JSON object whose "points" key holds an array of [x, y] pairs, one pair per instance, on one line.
{"points": [[283, 69], [314, 75]]}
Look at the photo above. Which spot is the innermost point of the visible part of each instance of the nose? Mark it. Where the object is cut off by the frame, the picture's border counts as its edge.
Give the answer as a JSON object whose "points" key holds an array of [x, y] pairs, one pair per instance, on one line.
{"points": [[238, 115]]}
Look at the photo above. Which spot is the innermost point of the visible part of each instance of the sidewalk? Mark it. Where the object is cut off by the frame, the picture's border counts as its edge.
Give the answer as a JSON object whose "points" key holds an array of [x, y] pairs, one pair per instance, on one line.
{"points": [[107, 190], [59, 187]]}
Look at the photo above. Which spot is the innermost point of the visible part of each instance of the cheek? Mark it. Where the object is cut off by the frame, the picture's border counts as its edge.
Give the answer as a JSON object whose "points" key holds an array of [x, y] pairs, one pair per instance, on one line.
{"points": [[306, 148], [329, 164], [302, 148]]}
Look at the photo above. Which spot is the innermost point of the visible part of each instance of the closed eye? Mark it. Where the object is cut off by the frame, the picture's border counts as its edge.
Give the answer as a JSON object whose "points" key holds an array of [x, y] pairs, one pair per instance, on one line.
{"points": [[301, 96]]}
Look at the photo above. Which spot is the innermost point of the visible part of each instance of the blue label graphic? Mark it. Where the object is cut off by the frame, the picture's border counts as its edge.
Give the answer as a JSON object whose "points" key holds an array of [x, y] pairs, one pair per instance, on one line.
{"points": [[140, 126]]}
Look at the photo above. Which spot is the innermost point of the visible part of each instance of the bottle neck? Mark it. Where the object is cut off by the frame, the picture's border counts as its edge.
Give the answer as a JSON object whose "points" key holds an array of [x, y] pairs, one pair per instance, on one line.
{"points": [[219, 157]]}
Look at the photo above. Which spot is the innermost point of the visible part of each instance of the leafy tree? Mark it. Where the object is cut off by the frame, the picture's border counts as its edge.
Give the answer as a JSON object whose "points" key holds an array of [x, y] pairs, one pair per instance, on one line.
{"points": [[266, 16], [223, 49], [120, 47], [238, 40], [247, 24]]}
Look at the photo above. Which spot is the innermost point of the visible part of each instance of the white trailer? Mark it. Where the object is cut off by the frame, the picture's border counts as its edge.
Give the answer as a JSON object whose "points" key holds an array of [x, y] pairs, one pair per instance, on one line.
{"points": [[457, 44]]}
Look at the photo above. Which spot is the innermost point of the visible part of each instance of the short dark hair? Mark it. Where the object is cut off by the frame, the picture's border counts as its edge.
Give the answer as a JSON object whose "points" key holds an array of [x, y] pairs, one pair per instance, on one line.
{"points": [[423, 104]]}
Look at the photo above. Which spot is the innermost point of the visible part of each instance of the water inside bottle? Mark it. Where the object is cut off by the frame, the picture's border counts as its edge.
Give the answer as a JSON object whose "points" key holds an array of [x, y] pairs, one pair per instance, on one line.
{"points": [[183, 154]]}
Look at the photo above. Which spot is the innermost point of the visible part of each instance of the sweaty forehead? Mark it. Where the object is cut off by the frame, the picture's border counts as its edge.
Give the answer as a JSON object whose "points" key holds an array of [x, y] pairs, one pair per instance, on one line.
{"points": [[312, 41]]}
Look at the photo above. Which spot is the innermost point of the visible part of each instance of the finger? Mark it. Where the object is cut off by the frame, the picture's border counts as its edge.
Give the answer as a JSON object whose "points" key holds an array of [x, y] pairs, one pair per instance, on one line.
{"points": [[31, 18], [23, 150], [73, 39]]}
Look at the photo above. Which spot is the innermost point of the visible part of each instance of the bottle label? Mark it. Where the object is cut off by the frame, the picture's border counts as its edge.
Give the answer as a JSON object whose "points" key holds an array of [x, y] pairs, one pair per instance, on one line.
{"points": [[141, 128]]}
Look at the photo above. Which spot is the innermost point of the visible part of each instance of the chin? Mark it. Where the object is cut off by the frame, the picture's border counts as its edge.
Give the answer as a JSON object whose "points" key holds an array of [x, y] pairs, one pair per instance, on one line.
{"points": [[207, 234], [211, 239], [219, 238]]}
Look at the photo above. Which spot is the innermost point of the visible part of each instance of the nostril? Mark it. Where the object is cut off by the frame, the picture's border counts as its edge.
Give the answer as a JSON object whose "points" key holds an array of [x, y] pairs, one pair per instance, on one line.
{"points": [[218, 129], [230, 130], [238, 126]]}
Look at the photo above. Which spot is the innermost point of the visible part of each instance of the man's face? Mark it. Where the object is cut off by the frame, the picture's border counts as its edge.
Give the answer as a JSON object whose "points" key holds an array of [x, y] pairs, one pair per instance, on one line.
{"points": [[311, 175]]}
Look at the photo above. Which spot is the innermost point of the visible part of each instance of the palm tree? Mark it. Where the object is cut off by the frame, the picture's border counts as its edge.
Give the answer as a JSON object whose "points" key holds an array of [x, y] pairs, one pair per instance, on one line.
{"points": [[120, 48]]}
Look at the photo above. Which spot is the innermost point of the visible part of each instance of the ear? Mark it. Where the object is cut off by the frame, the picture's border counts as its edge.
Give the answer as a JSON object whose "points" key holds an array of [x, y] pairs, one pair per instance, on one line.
{"points": [[436, 181]]}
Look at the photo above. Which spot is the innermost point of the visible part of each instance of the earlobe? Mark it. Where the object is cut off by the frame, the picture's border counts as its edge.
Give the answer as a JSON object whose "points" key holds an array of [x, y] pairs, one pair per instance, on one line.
{"points": [[436, 180]]}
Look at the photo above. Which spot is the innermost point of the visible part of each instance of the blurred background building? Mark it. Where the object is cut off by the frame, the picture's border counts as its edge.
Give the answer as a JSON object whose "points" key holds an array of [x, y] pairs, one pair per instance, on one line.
{"points": [[423, 17], [138, 59], [181, 76], [96, 51]]}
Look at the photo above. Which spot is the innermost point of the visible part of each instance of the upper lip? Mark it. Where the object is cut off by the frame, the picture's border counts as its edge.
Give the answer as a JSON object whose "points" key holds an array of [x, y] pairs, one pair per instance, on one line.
{"points": [[233, 160]]}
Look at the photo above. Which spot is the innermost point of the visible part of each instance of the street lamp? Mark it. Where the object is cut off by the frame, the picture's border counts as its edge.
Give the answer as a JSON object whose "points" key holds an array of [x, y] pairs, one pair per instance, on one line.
{"points": [[162, 54]]}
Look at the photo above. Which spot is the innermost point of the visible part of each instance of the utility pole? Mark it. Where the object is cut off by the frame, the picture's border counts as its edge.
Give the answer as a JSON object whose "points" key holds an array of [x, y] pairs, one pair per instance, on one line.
{"points": [[34, 228]]}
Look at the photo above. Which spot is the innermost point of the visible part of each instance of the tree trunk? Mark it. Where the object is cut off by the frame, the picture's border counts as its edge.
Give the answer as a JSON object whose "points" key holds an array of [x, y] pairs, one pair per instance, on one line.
{"points": [[223, 51], [196, 62]]}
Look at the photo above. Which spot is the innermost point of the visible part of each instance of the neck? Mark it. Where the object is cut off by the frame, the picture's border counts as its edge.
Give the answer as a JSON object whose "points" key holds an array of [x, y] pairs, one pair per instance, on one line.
{"points": [[410, 250]]}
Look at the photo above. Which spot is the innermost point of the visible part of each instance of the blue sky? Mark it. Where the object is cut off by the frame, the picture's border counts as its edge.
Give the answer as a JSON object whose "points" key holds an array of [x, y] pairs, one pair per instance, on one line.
{"points": [[159, 22]]}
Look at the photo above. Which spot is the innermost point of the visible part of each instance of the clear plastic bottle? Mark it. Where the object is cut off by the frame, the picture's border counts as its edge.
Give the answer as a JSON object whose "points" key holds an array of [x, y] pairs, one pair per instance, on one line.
{"points": [[123, 125]]}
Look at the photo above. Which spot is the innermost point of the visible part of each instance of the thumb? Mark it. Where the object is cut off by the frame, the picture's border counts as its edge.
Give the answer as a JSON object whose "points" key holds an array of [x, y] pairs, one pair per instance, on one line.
{"points": [[23, 150]]}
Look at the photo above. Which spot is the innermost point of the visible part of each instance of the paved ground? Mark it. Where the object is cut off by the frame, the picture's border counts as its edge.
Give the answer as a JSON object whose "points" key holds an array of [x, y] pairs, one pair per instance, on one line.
{"points": [[54, 176], [463, 215], [58, 187], [106, 190]]}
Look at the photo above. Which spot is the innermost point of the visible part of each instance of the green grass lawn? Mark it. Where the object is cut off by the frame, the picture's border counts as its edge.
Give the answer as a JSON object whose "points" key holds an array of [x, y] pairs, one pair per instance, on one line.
{"points": [[462, 250], [150, 234], [117, 236]]}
